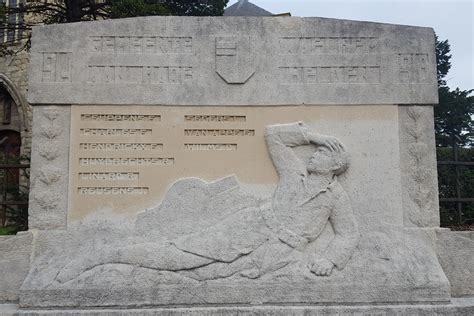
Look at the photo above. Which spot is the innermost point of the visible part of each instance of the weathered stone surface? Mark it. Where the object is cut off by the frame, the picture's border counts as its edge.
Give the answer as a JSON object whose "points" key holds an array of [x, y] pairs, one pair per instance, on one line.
{"points": [[8, 309], [232, 61], [418, 166], [15, 252], [456, 255], [392, 269], [209, 243], [218, 183], [457, 307], [49, 160], [193, 204], [231, 258]]}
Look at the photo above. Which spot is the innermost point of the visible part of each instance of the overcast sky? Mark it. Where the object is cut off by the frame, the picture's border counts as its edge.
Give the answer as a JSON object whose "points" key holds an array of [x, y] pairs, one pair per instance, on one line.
{"points": [[451, 19]]}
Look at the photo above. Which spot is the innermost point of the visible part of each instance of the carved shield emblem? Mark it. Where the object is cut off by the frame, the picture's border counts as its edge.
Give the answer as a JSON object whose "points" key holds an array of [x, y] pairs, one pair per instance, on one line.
{"points": [[235, 58]]}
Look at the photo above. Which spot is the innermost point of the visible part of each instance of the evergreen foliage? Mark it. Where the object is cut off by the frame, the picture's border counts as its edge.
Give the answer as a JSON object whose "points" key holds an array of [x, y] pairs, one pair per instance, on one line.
{"points": [[454, 127], [20, 18]]}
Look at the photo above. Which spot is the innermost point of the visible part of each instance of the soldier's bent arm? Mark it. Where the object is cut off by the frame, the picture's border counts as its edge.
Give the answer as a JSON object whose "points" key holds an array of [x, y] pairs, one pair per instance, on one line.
{"points": [[280, 138]]}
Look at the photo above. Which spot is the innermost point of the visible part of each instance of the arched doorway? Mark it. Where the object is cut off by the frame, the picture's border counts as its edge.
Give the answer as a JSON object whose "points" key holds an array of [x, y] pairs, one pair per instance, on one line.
{"points": [[10, 144], [13, 189]]}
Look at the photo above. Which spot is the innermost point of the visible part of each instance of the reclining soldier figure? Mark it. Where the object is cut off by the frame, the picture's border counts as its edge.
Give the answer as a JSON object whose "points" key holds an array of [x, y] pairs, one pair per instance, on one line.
{"points": [[266, 238]]}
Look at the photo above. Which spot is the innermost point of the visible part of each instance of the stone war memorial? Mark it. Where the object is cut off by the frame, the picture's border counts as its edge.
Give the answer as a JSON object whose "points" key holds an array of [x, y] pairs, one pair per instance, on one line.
{"points": [[236, 166]]}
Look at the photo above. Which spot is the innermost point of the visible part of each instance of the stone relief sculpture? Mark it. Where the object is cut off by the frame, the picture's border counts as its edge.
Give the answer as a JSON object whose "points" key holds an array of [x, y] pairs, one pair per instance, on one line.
{"points": [[422, 193], [235, 58], [308, 195], [240, 236], [50, 134]]}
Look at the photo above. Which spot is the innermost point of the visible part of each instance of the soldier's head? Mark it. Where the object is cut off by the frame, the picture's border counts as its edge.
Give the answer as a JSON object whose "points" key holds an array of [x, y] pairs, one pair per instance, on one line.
{"points": [[325, 160]]}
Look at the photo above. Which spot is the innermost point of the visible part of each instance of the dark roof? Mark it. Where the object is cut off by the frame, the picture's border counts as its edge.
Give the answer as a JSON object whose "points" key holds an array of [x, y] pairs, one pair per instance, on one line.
{"points": [[245, 8]]}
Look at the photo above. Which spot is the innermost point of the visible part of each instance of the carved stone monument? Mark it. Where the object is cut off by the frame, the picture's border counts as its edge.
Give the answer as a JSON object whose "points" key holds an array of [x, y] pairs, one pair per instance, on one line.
{"points": [[205, 165]]}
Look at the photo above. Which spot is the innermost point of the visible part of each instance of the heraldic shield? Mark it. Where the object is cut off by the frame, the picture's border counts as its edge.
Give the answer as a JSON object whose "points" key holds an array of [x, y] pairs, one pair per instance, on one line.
{"points": [[235, 58]]}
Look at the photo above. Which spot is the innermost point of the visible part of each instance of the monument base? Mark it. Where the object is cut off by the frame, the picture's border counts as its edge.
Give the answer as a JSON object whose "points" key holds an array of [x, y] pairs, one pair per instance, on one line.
{"points": [[392, 265], [457, 306]]}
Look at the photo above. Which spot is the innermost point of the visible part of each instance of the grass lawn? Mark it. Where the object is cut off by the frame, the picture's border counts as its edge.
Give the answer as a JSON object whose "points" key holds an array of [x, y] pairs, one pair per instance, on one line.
{"points": [[7, 231]]}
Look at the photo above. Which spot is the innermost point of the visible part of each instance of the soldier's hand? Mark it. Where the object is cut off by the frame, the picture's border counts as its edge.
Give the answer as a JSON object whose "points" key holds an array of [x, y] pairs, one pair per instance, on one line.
{"points": [[327, 141], [321, 267]]}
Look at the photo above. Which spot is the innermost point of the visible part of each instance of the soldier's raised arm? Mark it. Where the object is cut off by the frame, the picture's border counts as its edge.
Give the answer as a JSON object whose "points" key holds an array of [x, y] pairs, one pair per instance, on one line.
{"points": [[280, 139]]}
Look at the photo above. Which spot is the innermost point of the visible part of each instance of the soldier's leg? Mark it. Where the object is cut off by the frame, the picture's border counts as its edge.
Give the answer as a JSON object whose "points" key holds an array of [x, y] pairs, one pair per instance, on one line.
{"points": [[148, 255]]}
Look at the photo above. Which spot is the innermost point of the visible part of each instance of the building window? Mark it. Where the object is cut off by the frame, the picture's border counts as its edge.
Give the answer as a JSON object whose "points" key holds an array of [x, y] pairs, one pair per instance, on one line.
{"points": [[11, 29]]}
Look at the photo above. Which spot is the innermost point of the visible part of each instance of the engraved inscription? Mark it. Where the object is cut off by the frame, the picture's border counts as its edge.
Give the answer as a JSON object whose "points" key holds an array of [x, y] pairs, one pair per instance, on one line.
{"points": [[113, 190], [215, 118], [330, 74], [121, 117], [154, 161], [210, 147], [219, 132], [413, 68], [120, 146], [132, 148], [56, 67], [327, 45], [140, 74], [115, 131], [109, 176], [141, 44]]}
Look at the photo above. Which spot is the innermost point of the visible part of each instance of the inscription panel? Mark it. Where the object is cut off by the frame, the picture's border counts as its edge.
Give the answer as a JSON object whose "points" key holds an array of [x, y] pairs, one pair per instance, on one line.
{"points": [[330, 75], [191, 147], [120, 117], [109, 176], [125, 158], [192, 61], [219, 132], [125, 161], [214, 118], [328, 45], [56, 67], [141, 44], [115, 131], [140, 74], [120, 146], [112, 190], [413, 68]]}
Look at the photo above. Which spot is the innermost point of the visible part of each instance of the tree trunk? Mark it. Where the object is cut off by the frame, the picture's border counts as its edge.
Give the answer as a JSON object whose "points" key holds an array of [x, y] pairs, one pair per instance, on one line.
{"points": [[73, 10]]}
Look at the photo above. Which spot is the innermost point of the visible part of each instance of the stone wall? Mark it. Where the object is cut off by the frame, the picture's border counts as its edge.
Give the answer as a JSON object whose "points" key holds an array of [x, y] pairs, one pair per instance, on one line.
{"points": [[14, 264], [456, 256], [15, 68]]}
